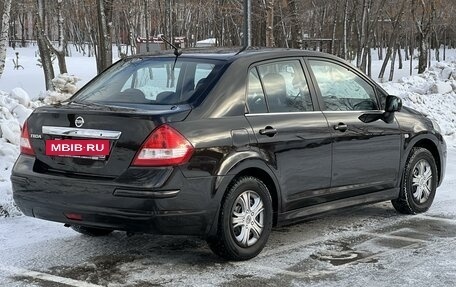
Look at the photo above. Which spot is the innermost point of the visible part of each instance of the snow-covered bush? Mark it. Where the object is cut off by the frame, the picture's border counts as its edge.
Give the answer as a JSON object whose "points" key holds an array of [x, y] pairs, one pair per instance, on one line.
{"points": [[64, 87]]}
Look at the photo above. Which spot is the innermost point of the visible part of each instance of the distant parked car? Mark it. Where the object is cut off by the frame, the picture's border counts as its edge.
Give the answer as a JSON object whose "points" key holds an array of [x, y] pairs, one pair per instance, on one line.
{"points": [[224, 145]]}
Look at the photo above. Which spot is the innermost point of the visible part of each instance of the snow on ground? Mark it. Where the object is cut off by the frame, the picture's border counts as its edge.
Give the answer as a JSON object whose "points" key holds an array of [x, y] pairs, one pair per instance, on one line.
{"points": [[362, 246], [31, 77]]}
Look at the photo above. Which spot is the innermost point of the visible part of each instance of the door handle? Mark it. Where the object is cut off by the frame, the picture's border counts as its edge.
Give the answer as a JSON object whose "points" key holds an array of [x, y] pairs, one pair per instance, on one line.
{"points": [[268, 131], [341, 127]]}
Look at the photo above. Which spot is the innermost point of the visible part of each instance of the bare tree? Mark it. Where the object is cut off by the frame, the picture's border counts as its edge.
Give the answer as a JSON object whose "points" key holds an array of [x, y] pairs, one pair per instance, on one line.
{"points": [[59, 50], [393, 38], [104, 47], [4, 34], [45, 52], [349, 28], [423, 13], [269, 6]]}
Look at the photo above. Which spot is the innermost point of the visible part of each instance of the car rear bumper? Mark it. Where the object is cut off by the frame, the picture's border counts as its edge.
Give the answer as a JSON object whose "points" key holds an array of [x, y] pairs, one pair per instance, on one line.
{"points": [[180, 206]]}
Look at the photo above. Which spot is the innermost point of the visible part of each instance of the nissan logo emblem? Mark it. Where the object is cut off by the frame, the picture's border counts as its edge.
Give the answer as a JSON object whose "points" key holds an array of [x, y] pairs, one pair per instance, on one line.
{"points": [[79, 122]]}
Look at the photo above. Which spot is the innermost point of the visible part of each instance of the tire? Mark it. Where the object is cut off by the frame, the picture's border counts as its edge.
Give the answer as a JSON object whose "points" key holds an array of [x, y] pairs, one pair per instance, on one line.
{"points": [[231, 242], [419, 183], [90, 231]]}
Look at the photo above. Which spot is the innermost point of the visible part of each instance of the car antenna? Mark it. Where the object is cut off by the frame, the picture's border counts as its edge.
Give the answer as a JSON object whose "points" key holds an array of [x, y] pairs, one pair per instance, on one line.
{"points": [[177, 52], [242, 49]]}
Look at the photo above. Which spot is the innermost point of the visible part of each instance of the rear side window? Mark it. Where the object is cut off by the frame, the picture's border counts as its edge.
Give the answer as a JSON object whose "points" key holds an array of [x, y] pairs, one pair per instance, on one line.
{"points": [[151, 81], [255, 96], [341, 89], [282, 85]]}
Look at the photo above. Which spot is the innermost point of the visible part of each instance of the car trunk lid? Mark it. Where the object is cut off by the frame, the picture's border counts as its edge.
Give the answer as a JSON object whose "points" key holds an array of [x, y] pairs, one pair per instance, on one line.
{"points": [[125, 127]]}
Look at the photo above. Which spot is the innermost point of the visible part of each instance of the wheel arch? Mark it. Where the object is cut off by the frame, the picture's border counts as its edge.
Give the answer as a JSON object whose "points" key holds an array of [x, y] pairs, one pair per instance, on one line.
{"points": [[255, 167], [270, 184], [431, 146]]}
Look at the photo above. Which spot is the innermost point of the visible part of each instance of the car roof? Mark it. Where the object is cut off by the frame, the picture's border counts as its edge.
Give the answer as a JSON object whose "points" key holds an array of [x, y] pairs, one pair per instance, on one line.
{"points": [[234, 53]]}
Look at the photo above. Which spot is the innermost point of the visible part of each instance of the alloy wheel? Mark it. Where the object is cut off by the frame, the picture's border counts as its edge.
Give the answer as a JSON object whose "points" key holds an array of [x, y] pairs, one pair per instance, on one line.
{"points": [[247, 218], [421, 181]]}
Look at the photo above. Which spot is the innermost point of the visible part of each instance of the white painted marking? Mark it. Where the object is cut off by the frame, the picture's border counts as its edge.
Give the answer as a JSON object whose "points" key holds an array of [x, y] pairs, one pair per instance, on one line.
{"points": [[397, 237], [442, 219], [45, 277], [301, 275]]}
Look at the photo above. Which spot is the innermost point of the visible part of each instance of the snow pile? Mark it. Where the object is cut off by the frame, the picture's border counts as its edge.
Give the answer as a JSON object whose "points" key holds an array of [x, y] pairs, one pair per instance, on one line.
{"points": [[15, 107], [65, 87], [432, 93]]}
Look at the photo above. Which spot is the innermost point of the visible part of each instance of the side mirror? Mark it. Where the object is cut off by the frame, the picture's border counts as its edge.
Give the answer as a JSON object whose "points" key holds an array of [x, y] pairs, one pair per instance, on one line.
{"points": [[393, 104]]}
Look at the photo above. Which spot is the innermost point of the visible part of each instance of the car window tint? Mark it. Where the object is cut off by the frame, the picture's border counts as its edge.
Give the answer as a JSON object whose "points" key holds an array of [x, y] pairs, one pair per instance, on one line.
{"points": [[156, 81], [285, 87], [201, 72], [341, 89], [255, 96], [153, 79]]}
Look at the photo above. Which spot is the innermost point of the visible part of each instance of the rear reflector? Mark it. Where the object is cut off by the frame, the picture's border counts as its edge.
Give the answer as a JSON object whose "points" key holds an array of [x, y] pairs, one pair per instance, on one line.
{"points": [[74, 216], [164, 147], [26, 147]]}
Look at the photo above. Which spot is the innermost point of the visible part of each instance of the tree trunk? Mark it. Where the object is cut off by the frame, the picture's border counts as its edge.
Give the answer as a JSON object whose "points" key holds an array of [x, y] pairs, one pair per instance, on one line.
{"points": [[294, 23], [270, 23], [424, 26], [333, 36], [362, 35], [369, 64], [146, 24], [392, 39], [437, 47], [59, 51], [344, 46], [45, 52], [423, 54], [393, 62], [4, 34], [104, 47]]}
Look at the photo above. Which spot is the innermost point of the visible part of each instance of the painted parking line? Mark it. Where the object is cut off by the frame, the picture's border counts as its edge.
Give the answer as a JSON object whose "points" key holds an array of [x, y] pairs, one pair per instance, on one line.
{"points": [[395, 237], [278, 271], [436, 218], [15, 271]]}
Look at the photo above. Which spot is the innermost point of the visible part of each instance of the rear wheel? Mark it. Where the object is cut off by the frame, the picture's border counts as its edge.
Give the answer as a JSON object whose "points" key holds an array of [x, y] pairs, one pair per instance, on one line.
{"points": [[90, 231], [419, 183], [245, 220]]}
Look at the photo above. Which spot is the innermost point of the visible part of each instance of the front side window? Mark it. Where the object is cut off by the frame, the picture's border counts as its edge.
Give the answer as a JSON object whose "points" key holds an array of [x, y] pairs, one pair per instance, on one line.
{"points": [[150, 81], [285, 87], [341, 89]]}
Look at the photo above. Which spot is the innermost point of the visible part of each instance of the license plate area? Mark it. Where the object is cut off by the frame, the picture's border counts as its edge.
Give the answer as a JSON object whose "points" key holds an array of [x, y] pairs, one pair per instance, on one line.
{"points": [[95, 149]]}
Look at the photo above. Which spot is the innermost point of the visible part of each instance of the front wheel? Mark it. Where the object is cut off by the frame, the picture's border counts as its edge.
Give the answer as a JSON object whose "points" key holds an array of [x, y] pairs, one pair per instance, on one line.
{"points": [[419, 183], [245, 220]]}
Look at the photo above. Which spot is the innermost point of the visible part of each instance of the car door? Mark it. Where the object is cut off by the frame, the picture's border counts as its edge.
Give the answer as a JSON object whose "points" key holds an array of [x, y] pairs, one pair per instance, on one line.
{"points": [[293, 137], [365, 156]]}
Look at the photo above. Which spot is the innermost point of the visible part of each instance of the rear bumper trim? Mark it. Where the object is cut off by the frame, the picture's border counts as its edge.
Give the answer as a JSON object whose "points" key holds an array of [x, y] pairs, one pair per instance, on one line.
{"points": [[145, 193]]}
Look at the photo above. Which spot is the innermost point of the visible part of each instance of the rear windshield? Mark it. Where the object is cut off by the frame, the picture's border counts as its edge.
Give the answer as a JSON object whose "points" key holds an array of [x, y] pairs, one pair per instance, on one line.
{"points": [[151, 81]]}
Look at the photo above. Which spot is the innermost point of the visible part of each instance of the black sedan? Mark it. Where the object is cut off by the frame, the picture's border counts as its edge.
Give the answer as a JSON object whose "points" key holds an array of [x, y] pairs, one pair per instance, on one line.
{"points": [[224, 145]]}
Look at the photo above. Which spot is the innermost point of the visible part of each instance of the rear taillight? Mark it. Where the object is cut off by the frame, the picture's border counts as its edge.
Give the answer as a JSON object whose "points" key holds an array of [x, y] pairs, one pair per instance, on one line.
{"points": [[26, 147], [164, 147]]}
